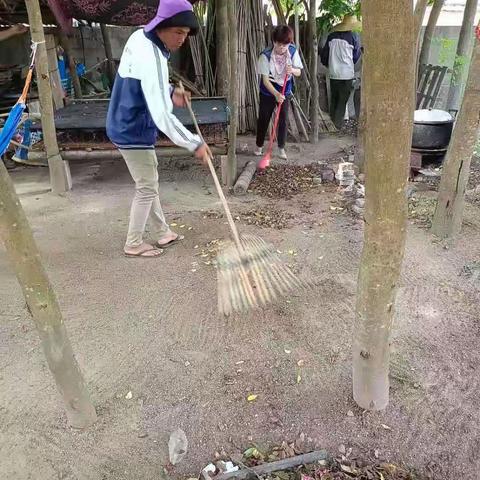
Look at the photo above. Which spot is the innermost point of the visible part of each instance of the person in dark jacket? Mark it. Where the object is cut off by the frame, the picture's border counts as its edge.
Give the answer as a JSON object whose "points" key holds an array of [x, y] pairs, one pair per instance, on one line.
{"points": [[340, 54], [274, 64], [141, 104]]}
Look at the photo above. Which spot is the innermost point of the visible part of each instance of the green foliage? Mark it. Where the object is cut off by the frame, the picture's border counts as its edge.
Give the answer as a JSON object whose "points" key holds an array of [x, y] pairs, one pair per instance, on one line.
{"points": [[333, 11], [448, 50]]}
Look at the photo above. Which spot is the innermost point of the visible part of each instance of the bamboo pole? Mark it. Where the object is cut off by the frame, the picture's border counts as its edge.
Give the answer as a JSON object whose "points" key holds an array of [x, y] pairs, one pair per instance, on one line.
{"points": [[109, 54], [233, 54], [428, 36], [60, 178], [313, 41], [16, 234], [222, 47]]}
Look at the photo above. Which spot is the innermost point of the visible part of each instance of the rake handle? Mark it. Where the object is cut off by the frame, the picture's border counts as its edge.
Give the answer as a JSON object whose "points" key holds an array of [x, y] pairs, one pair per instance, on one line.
{"points": [[273, 134], [218, 186]]}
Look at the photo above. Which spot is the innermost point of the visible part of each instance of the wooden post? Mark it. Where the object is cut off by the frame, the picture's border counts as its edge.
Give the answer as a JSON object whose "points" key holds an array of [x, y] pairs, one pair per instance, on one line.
{"points": [[222, 48], [447, 221], [389, 80], [313, 42], [16, 234], [464, 49], [109, 54], [60, 179], [233, 97], [67, 46]]}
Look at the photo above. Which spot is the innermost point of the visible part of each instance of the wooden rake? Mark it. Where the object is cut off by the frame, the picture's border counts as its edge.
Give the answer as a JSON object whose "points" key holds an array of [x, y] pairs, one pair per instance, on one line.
{"points": [[249, 271]]}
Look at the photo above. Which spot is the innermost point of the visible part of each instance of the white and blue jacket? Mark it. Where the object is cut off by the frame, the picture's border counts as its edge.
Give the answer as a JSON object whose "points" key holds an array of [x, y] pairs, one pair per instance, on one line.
{"points": [[141, 101]]}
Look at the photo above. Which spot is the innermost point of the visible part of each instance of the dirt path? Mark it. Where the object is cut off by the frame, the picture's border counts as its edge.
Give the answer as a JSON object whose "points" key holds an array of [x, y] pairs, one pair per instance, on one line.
{"points": [[150, 328]]}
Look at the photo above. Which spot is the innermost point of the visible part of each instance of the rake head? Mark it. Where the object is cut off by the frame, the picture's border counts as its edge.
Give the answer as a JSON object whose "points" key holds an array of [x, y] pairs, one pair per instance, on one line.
{"points": [[265, 161], [253, 276]]}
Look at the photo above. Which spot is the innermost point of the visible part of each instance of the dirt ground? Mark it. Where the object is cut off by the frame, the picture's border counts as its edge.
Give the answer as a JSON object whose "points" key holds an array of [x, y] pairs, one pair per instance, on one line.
{"points": [[150, 327]]}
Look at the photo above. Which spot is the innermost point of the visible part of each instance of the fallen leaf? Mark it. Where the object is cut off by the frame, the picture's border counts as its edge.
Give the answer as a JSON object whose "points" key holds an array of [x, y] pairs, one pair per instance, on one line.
{"points": [[342, 449], [386, 427], [190, 228], [129, 396], [299, 378], [181, 226], [347, 469], [288, 352], [301, 363], [252, 452], [173, 224], [376, 453], [350, 414], [252, 398], [195, 247], [240, 362], [187, 363]]}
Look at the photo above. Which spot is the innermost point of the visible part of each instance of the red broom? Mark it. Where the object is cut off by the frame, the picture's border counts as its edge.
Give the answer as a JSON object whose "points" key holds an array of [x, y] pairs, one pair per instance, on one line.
{"points": [[265, 161]]}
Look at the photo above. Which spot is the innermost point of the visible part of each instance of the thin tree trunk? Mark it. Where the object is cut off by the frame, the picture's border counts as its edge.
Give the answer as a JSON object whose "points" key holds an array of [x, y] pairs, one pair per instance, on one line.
{"points": [[65, 43], [281, 20], [60, 178], [447, 221], [222, 47], [233, 96], [109, 54], [362, 124], [464, 48], [297, 24], [389, 75], [313, 42], [16, 234], [420, 9], [429, 31]]}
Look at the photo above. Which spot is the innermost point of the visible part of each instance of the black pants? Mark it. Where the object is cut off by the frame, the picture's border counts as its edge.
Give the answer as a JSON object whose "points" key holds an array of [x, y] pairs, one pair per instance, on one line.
{"points": [[267, 106], [339, 94]]}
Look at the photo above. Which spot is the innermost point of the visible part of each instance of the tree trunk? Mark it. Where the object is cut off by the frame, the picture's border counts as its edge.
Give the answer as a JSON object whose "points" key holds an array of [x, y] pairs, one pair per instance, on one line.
{"points": [[447, 221], [389, 76], [233, 96], [297, 24], [313, 42], [65, 43], [109, 54], [463, 52], [429, 31], [362, 123], [420, 9], [281, 20], [221, 7], [60, 178], [16, 234]]}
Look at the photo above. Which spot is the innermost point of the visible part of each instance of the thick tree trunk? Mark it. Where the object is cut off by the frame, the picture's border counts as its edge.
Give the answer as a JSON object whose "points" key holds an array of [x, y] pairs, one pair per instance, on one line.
{"points": [[429, 31], [447, 221], [389, 66], [109, 54], [463, 52], [60, 178], [233, 94], [221, 8], [313, 42], [16, 234]]}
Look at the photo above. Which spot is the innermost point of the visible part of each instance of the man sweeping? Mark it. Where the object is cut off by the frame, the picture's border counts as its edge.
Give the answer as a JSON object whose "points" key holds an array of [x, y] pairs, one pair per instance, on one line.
{"points": [[142, 103]]}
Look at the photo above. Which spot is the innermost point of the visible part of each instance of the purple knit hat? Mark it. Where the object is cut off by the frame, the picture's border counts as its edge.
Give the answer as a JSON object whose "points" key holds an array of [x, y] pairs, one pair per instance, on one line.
{"points": [[174, 13]]}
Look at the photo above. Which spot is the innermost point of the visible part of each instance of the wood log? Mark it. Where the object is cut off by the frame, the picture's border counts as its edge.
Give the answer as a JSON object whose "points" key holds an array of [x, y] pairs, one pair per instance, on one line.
{"points": [[245, 178], [266, 468]]}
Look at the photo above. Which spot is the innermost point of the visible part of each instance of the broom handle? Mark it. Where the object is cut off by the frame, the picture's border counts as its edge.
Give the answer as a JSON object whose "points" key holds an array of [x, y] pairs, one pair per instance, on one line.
{"points": [[273, 134], [231, 222]]}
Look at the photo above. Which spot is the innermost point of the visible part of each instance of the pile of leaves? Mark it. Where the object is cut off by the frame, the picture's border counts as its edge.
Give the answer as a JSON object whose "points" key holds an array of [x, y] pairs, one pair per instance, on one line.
{"points": [[421, 211], [284, 181], [269, 217], [331, 469]]}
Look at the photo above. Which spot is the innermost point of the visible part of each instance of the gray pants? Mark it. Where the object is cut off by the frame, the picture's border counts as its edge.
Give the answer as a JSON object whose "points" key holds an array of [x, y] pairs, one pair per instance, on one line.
{"points": [[142, 165]]}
